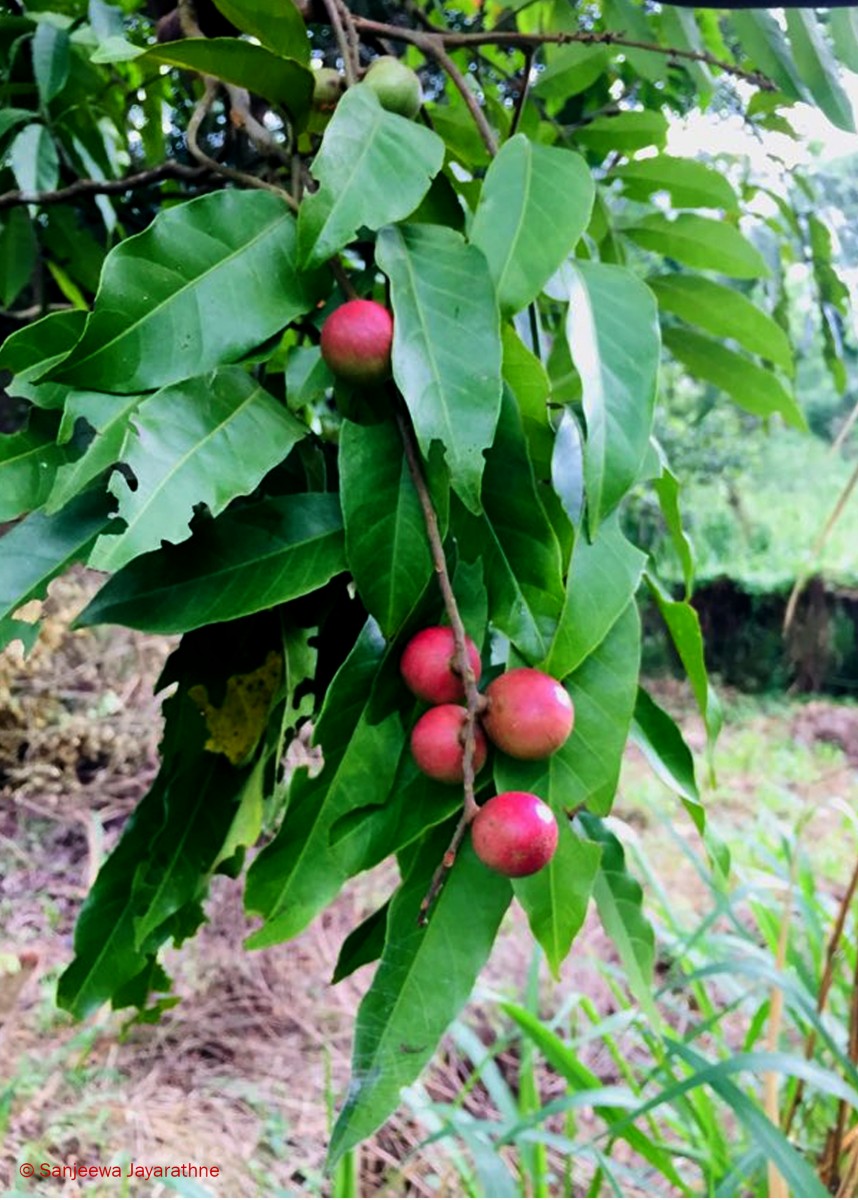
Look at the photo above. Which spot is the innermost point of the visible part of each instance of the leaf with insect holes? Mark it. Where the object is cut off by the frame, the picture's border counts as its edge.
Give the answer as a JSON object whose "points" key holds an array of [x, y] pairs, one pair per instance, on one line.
{"points": [[204, 441]]}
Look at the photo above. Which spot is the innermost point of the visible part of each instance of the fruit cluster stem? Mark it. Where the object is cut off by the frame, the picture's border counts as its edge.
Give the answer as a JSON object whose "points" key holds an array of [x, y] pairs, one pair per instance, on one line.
{"points": [[474, 701]]}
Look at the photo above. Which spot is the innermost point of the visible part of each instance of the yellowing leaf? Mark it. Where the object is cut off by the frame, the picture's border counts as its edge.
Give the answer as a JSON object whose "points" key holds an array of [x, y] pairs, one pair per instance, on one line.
{"points": [[238, 724]]}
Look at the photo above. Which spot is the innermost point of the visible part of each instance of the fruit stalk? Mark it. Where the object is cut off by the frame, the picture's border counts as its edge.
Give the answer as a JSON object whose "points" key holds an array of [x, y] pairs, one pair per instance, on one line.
{"points": [[474, 702]]}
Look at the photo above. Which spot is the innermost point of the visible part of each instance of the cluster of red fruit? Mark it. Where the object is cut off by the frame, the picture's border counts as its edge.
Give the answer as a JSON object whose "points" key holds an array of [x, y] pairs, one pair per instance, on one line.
{"points": [[527, 714]]}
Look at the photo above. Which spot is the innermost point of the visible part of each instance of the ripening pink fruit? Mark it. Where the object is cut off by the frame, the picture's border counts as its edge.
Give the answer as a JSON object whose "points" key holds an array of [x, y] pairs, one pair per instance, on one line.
{"points": [[356, 342], [515, 834], [437, 743], [529, 714], [427, 665]]}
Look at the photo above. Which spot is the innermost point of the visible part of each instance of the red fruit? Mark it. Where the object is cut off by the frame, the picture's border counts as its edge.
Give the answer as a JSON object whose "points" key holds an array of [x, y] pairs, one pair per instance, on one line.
{"points": [[356, 341], [529, 715], [427, 665], [437, 743], [515, 833]]}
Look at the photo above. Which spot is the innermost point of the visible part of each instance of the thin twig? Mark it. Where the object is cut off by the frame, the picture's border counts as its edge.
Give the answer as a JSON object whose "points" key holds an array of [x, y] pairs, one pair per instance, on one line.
{"points": [[197, 118], [522, 41], [474, 701], [342, 278], [433, 45], [352, 35], [338, 27], [105, 187], [521, 99], [817, 547], [824, 988]]}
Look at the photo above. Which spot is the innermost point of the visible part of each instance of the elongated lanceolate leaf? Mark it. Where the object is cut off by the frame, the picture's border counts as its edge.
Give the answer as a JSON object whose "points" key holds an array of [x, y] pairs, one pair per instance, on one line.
{"points": [[624, 133], [30, 351], [666, 487], [603, 578], [817, 67], [160, 867], [300, 872], [691, 184], [424, 979], [373, 168], [555, 899], [170, 302], [385, 533], [534, 205], [51, 53], [280, 80], [752, 387], [247, 560], [585, 770], [843, 27], [683, 624], [725, 312], [613, 334], [619, 899], [763, 40], [446, 345], [204, 441], [700, 242], [38, 549], [18, 251]]}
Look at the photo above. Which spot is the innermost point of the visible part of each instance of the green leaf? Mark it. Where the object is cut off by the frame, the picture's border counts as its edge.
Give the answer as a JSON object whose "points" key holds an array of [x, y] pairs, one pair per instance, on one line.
{"points": [[817, 67], [630, 20], [667, 489], [656, 733], [725, 312], [386, 543], [169, 305], [38, 549], [619, 899], [281, 80], [280, 28], [586, 769], [684, 627], [299, 873], [18, 251], [843, 27], [109, 416], [204, 441], [691, 184], [700, 242], [34, 160], [51, 48], [374, 167], [763, 42], [160, 867], [603, 578], [555, 899], [515, 542], [799, 1176], [446, 345], [563, 1060], [679, 28], [613, 334], [405, 1012], [363, 945], [11, 118], [534, 205], [31, 351], [752, 387], [624, 133], [251, 558], [570, 70], [28, 463]]}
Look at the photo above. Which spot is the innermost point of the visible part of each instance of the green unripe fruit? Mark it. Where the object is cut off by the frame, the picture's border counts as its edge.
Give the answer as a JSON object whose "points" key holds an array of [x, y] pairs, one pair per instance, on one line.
{"points": [[327, 89], [397, 86]]}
